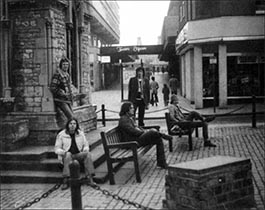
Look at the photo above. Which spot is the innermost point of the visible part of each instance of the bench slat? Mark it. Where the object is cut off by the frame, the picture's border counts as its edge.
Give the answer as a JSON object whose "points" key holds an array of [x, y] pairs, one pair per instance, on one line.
{"points": [[124, 153]]}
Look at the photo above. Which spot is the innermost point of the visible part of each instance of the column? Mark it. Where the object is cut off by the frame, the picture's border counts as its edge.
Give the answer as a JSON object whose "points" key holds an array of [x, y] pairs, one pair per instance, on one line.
{"points": [[183, 75], [5, 24], [192, 72], [189, 76], [198, 77], [222, 66]]}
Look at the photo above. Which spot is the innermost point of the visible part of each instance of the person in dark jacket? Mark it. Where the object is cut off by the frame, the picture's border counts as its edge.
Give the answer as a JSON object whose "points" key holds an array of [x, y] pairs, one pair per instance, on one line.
{"points": [[61, 89], [173, 84], [131, 132], [139, 94], [165, 92]]}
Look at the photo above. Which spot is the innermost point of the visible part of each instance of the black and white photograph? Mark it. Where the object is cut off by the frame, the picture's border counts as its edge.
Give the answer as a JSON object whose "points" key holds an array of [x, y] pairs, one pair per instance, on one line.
{"points": [[132, 104]]}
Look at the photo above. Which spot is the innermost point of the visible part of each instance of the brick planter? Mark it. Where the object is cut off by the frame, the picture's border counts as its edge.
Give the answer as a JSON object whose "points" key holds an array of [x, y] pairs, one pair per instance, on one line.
{"points": [[219, 182]]}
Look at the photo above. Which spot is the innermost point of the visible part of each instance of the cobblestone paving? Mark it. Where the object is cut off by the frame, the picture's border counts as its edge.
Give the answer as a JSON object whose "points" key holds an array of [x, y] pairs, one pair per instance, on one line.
{"points": [[239, 141]]}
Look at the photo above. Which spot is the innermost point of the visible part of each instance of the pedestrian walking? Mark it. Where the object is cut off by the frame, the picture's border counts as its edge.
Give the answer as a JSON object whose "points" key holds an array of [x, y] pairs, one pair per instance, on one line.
{"points": [[61, 90], [71, 144], [173, 85], [165, 92], [131, 132], [154, 88], [139, 94]]}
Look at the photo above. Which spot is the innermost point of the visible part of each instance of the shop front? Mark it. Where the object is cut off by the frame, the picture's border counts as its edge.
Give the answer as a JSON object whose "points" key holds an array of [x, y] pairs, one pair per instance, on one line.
{"points": [[221, 67]]}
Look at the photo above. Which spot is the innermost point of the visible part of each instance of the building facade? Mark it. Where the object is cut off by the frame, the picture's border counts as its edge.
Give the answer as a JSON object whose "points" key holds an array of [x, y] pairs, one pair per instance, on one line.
{"points": [[34, 36], [220, 45]]}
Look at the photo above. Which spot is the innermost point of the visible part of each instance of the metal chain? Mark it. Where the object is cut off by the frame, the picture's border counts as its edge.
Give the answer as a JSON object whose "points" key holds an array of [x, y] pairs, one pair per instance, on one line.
{"points": [[36, 200], [117, 197], [94, 186]]}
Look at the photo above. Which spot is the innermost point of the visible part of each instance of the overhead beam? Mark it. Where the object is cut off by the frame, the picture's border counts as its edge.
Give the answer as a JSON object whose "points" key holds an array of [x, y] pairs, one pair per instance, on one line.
{"points": [[132, 50]]}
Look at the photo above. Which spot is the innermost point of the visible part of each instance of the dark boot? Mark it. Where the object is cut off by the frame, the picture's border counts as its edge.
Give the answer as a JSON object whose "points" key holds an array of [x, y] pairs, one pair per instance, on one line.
{"points": [[160, 155], [165, 136], [209, 144]]}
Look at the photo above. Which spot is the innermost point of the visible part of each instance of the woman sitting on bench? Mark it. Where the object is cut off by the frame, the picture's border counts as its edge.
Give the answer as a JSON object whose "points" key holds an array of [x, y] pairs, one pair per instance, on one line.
{"points": [[176, 115], [131, 132]]}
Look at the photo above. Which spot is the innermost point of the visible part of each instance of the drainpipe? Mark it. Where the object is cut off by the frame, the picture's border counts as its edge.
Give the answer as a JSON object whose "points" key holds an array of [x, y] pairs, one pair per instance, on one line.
{"points": [[48, 24], [4, 46], [69, 28], [81, 30]]}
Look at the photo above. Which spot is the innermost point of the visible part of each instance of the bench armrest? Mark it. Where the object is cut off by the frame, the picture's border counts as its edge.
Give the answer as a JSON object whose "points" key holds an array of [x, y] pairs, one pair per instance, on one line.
{"points": [[124, 145]]}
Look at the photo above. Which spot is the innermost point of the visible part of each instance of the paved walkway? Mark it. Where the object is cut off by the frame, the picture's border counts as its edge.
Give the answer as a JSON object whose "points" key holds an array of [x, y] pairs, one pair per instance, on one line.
{"points": [[234, 137], [237, 141]]}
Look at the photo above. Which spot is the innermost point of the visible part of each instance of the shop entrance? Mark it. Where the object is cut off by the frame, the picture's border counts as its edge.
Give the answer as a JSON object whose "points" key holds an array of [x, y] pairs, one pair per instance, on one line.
{"points": [[210, 82]]}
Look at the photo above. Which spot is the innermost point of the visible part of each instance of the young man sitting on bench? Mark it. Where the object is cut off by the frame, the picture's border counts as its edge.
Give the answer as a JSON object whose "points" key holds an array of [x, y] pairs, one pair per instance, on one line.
{"points": [[131, 132], [176, 115]]}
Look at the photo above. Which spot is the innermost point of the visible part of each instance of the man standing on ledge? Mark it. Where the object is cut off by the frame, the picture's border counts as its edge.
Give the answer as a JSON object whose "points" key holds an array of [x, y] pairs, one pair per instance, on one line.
{"points": [[139, 94], [61, 89]]}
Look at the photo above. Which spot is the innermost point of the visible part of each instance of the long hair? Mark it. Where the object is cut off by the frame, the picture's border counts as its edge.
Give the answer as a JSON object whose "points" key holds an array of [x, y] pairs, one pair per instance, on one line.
{"points": [[63, 60], [125, 107], [77, 125]]}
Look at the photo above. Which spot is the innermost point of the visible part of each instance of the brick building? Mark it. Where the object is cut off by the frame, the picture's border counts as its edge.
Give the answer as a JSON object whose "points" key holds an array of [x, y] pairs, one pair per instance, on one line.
{"points": [[217, 49], [34, 35]]}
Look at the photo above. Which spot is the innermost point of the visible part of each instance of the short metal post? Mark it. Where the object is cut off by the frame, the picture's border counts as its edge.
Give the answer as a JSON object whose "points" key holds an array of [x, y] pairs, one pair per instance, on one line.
{"points": [[254, 111], [75, 185], [103, 115]]}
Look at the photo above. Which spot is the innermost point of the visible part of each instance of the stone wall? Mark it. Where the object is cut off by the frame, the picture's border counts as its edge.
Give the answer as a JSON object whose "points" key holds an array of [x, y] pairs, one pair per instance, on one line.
{"points": [[41, 127], [13, 134], [42, 32]]}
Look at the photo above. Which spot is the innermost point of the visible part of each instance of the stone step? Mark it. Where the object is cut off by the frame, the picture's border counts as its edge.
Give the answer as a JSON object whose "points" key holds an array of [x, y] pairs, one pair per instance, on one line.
{"points": [[25, 162], [39, 164], [29, 176]]}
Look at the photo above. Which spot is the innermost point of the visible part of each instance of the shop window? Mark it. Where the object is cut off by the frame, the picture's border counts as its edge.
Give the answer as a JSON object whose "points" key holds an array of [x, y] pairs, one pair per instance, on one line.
{"points": [[245, 76]]}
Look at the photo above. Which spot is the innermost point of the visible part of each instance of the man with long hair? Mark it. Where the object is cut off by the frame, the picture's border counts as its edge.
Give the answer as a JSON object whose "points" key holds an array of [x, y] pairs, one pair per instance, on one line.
{"points": [[61, 89], [131, 132], [71, 144]]}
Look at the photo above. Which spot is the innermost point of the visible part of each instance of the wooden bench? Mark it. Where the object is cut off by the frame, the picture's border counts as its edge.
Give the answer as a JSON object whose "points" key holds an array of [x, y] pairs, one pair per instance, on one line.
{"points": [[120, 151], [190, 125]]}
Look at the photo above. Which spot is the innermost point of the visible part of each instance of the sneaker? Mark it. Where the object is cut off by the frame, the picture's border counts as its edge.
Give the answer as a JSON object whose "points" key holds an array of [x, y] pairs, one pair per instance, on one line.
{"points": [[209, 119], [65, 184], [165, 136], [209, 144]]}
